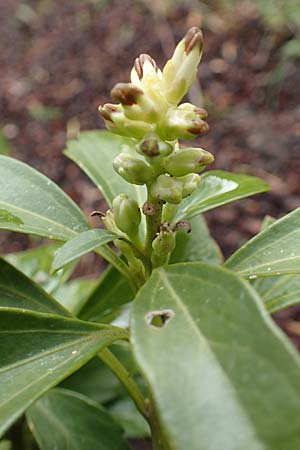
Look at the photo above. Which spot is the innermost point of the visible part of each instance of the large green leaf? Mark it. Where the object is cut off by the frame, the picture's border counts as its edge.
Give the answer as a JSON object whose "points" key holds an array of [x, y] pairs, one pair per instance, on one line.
{"points": [[221, 373], [80, 245], [65, 420], [94, 152], [197, 245], [36, 263], [109, 295], [217, 188], [31, 203], [37, 351], [274, 251], [18, 291]]}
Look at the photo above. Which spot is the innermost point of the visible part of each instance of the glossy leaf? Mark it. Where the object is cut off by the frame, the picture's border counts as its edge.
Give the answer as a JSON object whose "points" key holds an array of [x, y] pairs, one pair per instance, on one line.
{"points": [[80, 245], [64, 420], [36, 263], [96, 380], [278, 292], [218, 188], [31, 203], [274, 251], [109, 295], [222, 374], [37, 351], [19, 291], [94, 152], [197, 245]]}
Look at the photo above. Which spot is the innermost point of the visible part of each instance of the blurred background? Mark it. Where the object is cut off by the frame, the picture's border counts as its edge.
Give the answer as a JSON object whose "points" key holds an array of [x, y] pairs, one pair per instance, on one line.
{"points": [[59, 60]]}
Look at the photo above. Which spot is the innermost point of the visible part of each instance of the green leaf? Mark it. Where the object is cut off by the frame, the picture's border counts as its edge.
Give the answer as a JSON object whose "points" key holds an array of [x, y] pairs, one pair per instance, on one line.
{"points": [[222, 375], [64, 420], [18, 291], [274, 251], [109, 295], [94, 152], [37, 351], [36, 263], [96, 380], [80, 245], [31, 203], [125, 413], [217, 188], [197, 245], [74, 294], [279, 292]]}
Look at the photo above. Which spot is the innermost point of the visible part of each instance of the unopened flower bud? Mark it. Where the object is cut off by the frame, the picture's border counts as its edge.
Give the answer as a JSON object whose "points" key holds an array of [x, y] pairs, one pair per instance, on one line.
{"points": [[132, 169], [151, 146], [190, 108], [127, 214], [184, 123], [142, 60], [189, 183], [126, 93], [167, 189], [187, 160], [108, 110], [162, 246], [180, 71]]}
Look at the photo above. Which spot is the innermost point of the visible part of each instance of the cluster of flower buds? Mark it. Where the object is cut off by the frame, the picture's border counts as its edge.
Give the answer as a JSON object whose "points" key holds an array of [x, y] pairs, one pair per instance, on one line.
{"points": [[147, 111], [149, 102]]}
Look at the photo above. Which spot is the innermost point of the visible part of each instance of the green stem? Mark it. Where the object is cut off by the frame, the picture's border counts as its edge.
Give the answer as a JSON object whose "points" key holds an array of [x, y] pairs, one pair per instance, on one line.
{"points": [[125, 378], [153, 222], [107, 253]]}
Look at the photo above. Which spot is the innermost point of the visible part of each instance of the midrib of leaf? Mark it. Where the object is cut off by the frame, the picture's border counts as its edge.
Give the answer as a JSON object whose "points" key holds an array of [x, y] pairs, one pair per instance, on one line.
{"points": [[47, 192], [9, 291], [263, 249], [207, 343], [38, 356], [42, 218]]}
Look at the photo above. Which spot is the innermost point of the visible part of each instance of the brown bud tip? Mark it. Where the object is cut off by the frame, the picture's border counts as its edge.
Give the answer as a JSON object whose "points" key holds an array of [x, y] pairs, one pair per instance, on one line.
{"points": [[183, 225], [198, 127], [201, 112], [192, 39], [140, 61], [106, 111], [149, 209], [150, 147], [125, 93]]}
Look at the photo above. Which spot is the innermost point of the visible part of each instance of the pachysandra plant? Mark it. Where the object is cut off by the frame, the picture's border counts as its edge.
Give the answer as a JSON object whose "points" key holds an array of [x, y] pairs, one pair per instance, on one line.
{"points": [[170, 342]]}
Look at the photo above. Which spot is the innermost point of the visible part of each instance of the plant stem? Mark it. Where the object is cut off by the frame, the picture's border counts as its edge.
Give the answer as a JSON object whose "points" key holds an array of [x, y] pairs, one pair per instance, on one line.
{"points": [[107, 253], [153, 222], [125, 378]]}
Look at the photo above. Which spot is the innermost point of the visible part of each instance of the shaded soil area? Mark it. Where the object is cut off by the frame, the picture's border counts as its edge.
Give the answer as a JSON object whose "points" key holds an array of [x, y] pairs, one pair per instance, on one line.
{"points": [[59, 61]]}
